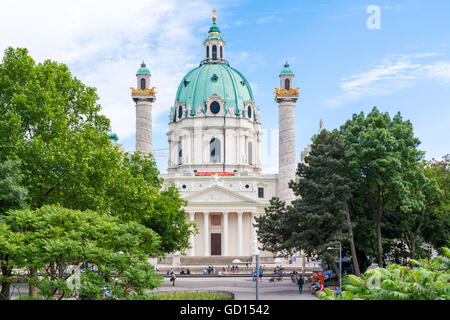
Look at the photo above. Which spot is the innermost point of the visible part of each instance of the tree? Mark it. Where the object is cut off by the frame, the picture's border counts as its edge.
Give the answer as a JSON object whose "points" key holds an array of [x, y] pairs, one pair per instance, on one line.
{"points": [[277, 227], [380, 154], [437, 218], [109, 252], [324, 191], [320, 216], [12, 196], [53, 125]]}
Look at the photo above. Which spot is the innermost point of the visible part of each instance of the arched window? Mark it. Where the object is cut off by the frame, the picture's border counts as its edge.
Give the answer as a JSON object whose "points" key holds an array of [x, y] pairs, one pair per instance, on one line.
{"points": [[214, 148], [180, 153], [180, 112], [214, 107], [287, 84], [221, 52], [249, 112], [250, 154], [207, 52], [143, 84], [214, 52]]}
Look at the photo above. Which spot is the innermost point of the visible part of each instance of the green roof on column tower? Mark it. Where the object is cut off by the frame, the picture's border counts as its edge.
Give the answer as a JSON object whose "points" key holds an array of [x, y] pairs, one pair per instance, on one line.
{"points": [[143, 69]]}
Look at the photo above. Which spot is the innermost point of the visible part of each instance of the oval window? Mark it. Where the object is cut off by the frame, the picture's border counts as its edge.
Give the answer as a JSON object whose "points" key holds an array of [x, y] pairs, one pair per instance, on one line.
{"points": [[214, 107]]}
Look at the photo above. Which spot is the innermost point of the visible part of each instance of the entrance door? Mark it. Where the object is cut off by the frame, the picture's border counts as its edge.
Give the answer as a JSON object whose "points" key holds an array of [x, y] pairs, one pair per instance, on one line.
{"points": [[216, 244]]}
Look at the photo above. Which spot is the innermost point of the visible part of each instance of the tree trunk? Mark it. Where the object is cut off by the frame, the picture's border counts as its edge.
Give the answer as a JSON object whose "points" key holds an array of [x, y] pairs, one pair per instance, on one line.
{"points": [[379, 213], [362, 260], [336, 270], [32, 291], [6, 285], [352, 242]]}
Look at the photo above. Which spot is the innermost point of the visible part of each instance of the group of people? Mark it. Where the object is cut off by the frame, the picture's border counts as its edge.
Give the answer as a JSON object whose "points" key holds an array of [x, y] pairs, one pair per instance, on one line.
{"points": [[185, 272], [258, 272], [209, 270], [228, 270], [316, 285], [278, 270]]}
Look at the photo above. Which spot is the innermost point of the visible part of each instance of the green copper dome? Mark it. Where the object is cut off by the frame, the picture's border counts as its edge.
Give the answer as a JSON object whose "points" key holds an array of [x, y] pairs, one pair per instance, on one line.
{"points": [[143, 69], [214, 78], [286, 70]]}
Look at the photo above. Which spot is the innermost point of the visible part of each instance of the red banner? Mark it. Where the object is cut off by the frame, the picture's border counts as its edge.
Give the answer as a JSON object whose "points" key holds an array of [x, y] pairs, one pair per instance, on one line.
{"points": [[221, 174]]}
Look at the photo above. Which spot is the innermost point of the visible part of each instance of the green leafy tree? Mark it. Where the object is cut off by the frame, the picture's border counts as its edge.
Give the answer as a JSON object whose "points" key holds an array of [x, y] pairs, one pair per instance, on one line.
{"points": [[381, 154], [12, 196], [437, 218], [110, 252], [51, 121], [320, 216], [276, 228]]}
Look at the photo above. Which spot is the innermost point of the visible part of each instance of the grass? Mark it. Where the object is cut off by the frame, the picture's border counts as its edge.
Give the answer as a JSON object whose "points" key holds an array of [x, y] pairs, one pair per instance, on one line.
{"points": [[191, 296]]}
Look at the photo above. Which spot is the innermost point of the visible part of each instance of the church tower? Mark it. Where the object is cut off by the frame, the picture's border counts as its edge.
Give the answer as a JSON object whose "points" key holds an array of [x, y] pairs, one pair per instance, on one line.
{"points": [[143, 96], [286, 97]]}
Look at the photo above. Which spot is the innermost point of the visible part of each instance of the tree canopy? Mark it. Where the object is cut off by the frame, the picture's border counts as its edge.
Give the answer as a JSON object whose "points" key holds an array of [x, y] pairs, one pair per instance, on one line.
{"points": [[366, 186], [109, 252], [52, 123]]}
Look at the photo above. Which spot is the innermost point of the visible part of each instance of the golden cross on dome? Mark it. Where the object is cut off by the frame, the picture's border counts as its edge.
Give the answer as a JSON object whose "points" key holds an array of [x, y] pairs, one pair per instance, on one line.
{"points": [[214, 15]]}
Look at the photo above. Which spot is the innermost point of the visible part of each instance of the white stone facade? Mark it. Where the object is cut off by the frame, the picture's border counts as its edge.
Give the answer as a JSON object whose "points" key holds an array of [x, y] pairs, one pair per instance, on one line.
{"points": [[215, 158]]}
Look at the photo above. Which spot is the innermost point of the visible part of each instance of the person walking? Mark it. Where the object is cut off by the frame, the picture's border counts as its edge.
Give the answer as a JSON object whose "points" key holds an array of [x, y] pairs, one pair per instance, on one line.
{"points": [[172, 277], [300, 284], [260, 273]]}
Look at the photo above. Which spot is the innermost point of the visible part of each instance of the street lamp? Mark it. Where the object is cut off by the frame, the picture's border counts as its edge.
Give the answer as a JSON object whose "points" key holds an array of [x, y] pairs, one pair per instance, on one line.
{"points": [[256, 253], [340, 263]]}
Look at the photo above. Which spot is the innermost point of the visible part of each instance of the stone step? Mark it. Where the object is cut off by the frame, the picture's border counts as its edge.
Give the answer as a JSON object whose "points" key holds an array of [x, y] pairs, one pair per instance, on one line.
{"points": [[214, 260]]}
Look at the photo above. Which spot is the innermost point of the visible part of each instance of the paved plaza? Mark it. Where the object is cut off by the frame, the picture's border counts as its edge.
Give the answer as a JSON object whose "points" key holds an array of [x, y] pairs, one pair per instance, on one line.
{"points": [[243, 288]]}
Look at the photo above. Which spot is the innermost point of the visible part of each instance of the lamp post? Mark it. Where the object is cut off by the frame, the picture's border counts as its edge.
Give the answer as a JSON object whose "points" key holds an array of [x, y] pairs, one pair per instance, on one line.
{"points": [[256, 253], [340, 263]]}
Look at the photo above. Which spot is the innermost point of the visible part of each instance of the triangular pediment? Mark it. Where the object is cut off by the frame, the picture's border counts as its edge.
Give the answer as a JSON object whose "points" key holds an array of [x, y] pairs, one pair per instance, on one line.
{"points": [[218, 194]]}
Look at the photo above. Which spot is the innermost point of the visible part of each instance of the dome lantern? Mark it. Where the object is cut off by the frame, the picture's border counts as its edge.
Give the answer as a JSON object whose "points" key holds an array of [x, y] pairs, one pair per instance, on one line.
{"points": [[214, 44]]}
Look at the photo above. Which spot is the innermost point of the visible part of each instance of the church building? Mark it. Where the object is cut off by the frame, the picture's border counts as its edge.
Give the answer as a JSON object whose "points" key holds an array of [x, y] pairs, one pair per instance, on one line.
{"points": [[214, 155]]}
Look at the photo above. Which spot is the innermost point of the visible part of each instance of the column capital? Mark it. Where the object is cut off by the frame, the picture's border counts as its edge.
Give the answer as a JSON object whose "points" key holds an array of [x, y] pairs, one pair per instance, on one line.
{"points": [[240, 213]]}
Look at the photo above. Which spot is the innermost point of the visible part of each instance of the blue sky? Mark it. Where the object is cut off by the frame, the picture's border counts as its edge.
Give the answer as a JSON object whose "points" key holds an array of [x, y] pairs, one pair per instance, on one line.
{"points": [[341, 66]]}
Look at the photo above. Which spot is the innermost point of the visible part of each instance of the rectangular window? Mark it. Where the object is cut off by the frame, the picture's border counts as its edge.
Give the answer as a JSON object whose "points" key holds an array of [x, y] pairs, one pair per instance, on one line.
{"points": [[260, 192]]}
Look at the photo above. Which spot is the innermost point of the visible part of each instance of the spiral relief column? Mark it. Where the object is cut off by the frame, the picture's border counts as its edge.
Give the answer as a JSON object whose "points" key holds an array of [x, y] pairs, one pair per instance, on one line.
{"points": [[286, 97], [143, 97]]}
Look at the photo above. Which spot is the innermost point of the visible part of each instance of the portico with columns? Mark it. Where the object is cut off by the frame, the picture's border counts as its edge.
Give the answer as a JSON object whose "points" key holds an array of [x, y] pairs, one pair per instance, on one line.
{"points": [[225, 222], [223, 233]]}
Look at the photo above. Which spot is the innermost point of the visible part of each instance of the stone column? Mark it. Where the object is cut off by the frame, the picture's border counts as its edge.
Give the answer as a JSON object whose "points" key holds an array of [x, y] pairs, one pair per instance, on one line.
{"points": [[206, 233], [287, 163], [144, 125], [239, 234], [191, 237], [225, 234]]}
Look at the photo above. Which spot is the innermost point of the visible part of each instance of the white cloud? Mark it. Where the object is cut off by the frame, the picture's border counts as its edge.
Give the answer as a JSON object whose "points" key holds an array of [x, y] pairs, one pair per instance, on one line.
{"points": [[103, 42], [395, 73]]}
